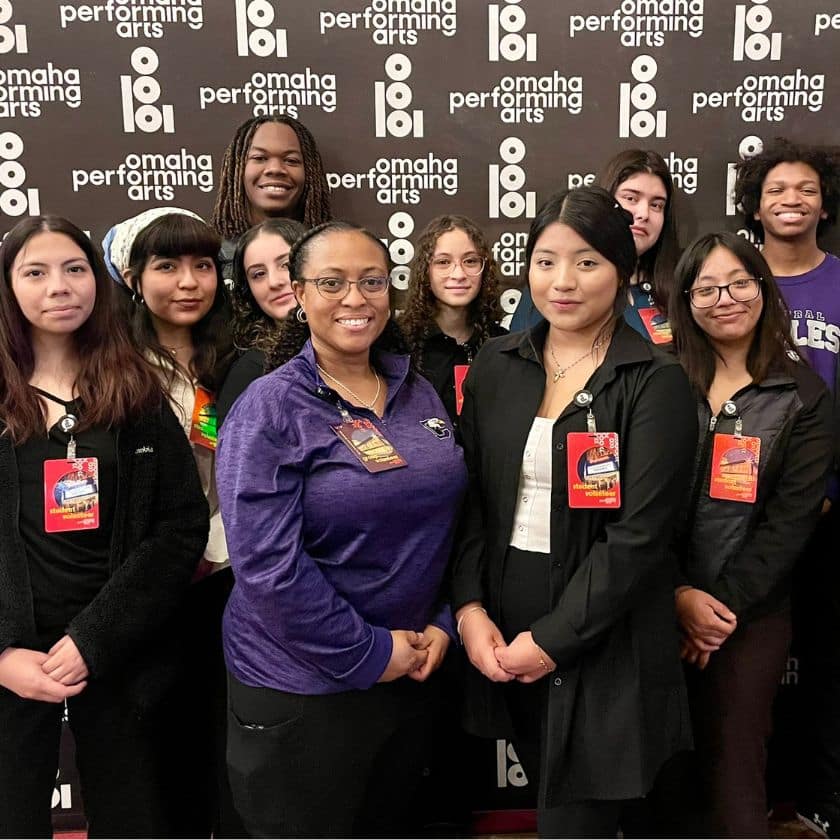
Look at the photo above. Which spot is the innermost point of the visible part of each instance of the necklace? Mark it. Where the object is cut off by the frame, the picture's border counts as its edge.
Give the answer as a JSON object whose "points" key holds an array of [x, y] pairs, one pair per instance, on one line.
{"points": [[356, 397], [560, 373]]}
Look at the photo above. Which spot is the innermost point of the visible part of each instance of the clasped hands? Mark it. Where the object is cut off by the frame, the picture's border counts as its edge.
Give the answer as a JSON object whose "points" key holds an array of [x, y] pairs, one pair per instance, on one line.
{"points": [[522, 660], [416, 655], [706, 624], [50, 677]]}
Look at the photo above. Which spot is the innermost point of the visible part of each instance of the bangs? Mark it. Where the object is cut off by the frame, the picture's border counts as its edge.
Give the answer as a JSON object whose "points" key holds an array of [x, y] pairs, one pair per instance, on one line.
{"points": [[176, 235]]}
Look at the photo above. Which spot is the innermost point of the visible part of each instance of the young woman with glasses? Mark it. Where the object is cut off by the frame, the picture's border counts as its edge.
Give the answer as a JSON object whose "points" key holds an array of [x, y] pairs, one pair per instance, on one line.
{"points": [[453, 303], [758, 484], [339, 528]]}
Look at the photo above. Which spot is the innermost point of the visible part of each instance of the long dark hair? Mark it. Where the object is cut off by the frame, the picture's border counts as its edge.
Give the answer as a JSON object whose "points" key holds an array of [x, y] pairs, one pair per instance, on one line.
{"points": [[484, 312], [232, 212], [114, 383], [771, 344], [251, 327], [176, 235], [596, 217], [656, 265], [293, 333]]}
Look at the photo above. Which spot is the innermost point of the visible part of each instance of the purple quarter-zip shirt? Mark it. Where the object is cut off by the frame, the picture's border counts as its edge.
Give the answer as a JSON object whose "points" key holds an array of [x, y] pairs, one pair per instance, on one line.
{"points": [[328, 557]]}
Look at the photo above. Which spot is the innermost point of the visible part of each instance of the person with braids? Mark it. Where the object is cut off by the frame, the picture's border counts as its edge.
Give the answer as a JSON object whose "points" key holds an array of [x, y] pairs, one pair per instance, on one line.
{"points": [[789, 195], [641, 183], [453, 304], [271, 168], [340, 482], [260, 296], [167, 258]]}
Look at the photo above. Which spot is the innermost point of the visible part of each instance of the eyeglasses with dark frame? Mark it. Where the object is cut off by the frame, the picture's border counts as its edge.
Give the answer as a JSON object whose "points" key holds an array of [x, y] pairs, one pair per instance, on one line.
{"points": [[742, 290], [335, 288], [472, 265]]}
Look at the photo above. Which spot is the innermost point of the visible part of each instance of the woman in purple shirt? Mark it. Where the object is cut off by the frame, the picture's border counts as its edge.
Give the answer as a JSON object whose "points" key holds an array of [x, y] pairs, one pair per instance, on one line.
{"points": [[340, 482]]}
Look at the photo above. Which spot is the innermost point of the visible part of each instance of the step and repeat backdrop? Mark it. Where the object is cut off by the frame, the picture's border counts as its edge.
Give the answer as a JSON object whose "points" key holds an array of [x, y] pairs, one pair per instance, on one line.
{"points": [[420, 107]]}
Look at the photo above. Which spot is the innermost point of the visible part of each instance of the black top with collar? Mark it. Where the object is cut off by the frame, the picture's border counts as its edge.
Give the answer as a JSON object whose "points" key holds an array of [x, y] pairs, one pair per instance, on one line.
{"points": [[441, 353], [612, 627]]}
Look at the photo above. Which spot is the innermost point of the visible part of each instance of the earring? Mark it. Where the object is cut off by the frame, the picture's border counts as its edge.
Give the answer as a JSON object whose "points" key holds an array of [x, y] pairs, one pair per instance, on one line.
{"points": [[137, 299], [301, 316]]}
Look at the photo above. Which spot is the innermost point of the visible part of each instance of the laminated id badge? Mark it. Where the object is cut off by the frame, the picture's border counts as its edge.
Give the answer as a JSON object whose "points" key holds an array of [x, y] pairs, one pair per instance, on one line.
{"points": [[735, 468], [365, 441], [592, 460], [71, 494], [460, 375]]}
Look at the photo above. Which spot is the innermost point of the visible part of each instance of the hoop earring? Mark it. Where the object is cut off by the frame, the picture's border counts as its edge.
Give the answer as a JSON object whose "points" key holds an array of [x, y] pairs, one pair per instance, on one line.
{"points": [[301, 316], [136, 299]]}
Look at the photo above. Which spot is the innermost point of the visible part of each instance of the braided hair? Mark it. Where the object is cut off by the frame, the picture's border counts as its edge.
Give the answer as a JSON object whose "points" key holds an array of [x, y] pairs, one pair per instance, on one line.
{"points": [[232, 212]]}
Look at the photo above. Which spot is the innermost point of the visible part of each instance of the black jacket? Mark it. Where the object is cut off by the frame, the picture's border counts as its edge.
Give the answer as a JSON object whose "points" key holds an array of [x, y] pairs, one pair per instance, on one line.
{"points": [[617, 698], [248, 367], [159, 532], [440, 354], [743, 553]]}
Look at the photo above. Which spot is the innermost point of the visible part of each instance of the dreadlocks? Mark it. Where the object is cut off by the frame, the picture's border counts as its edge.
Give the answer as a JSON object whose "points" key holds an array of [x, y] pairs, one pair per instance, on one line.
{"points": [[232, 213]]}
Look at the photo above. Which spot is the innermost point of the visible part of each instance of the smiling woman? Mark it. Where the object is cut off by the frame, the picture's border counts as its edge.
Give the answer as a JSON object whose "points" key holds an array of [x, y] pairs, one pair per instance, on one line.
{"points": [[337, 520], [168, 260], [757, 488]]}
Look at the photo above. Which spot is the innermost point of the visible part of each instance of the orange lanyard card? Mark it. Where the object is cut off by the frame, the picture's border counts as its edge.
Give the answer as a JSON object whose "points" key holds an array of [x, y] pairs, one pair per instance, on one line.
{"points": [[365, 441], [592, 461], [71, 494], [657, 326], [735, 468], [204, 429], [460, 375]]}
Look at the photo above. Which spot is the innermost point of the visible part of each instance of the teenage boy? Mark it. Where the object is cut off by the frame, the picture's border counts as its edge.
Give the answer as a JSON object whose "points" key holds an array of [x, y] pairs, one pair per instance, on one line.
{"points": [[789, 195]]}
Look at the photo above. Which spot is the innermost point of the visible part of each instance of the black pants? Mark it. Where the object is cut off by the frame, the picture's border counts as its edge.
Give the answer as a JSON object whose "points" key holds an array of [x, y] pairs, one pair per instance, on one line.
{"points": [[190, 725], [335, 765], [114, 756], [731, 709], [816, 630]]}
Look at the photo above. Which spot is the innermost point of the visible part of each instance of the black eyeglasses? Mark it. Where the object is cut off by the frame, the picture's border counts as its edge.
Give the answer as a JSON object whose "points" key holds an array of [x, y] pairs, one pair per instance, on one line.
{"points": [[741, 291], [335, 288]]}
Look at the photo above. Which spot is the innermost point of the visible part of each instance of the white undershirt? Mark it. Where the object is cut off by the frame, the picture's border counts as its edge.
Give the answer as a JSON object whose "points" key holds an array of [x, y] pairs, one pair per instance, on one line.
{"points": [[532, 518]]}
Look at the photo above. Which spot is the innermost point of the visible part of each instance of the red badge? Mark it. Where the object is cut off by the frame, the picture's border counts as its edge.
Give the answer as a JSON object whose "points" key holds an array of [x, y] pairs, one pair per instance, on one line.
{"points": [[71, 494], [365, 441], [656, 324], [735, 468], [460, 376], [203, 429], [593, 470]]}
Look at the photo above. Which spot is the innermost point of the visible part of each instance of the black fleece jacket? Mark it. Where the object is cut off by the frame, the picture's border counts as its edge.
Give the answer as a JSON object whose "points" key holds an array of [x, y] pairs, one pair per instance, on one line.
{"points": [[159, 533]]}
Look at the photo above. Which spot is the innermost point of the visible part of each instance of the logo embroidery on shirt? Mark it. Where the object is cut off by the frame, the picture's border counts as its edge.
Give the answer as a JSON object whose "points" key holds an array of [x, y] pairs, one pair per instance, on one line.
{"points": [[437, 427], [144, 450]]}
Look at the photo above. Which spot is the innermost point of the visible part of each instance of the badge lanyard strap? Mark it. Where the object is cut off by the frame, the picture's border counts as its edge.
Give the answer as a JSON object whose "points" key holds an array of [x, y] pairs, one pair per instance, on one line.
{"points": [[67, 422], [584, 399], [731, 410]]}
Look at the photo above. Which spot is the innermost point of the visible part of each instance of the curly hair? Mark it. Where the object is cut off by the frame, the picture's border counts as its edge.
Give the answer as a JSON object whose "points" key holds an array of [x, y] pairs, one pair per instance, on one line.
{"points": [[232, 212], [656, 266], [176, 235], [251, 327], [292, 333], [752, 172], [484, 312]]}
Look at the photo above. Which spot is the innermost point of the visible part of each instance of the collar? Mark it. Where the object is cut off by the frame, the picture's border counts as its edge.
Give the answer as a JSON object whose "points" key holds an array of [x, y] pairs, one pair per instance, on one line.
{"points": [[435, 333], [393, 367], [626, 348]]}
